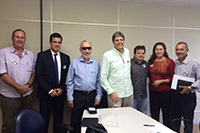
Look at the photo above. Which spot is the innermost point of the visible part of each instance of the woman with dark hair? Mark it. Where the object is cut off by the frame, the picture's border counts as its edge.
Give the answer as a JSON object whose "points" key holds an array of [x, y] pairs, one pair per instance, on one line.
{"points": [[161, 70]]}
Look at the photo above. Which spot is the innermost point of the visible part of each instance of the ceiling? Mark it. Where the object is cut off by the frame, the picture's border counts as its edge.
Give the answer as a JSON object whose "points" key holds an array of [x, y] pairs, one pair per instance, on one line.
{"points": [[183, 3]]}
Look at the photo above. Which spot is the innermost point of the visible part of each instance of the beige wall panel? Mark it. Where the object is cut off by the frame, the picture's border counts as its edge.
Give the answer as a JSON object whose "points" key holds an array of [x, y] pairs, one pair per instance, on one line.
{"points": [[32, 34], [192, 38], [46, 10], [20, 9], [99, 36], [187, 17], [148, 37], [89, 11], [145, 14], [46, 35], [7, 28]]}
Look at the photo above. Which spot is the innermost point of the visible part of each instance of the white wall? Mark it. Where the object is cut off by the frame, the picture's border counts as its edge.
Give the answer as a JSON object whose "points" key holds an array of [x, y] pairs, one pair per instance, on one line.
{"points": [[97, 20]]}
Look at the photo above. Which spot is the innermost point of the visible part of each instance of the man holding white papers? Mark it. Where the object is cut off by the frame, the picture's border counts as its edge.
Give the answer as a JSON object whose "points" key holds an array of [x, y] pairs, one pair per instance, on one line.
{"points": [[183, 102]]}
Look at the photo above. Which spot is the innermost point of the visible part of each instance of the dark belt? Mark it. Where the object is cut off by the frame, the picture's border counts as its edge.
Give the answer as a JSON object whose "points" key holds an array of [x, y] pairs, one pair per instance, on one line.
{"points": [[85, 92]]}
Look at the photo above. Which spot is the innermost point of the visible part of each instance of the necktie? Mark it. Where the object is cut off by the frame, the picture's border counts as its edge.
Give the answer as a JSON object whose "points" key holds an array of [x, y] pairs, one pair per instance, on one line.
{"points": [[56, 67]]}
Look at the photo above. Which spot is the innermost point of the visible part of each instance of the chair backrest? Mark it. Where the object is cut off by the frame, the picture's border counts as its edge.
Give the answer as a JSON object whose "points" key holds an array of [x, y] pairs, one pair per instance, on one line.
{"points": [[29, 121], [96, 128]]}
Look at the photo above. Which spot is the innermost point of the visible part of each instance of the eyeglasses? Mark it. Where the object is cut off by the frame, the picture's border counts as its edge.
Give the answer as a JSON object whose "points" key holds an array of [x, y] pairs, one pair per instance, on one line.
{"points": [[84, 48]]}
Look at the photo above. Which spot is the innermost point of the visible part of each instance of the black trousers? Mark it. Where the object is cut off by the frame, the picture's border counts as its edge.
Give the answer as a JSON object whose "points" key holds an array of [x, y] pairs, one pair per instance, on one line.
{"points": [[160, 100], [55, 105], [82, 101], [182, 106]]}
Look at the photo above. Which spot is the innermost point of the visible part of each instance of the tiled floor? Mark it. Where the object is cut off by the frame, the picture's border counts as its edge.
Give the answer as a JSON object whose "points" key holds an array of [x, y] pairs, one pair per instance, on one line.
{"points": [[195, 130]]}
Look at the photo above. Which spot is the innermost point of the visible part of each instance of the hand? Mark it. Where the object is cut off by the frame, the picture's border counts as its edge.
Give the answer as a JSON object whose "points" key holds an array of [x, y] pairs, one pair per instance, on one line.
{"points": [[156, 83], [185, 90], [53, 93], [59, 91], [23, 89], [71, 104], [97, 101], [114, 97]]}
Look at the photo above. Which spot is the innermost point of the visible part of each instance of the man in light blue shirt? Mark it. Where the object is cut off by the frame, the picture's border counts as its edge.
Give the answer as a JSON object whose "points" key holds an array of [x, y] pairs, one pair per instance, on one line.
{"points": [[83, 84], [115, 73]]}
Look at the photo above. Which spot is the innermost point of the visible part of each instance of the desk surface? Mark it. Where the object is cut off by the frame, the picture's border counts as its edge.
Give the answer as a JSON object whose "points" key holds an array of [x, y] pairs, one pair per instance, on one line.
{"points": [[127, 120]]}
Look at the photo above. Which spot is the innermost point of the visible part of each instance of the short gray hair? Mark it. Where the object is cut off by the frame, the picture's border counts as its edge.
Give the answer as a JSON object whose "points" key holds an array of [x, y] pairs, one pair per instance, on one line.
{"points": [[85, 41], [186, 45]]}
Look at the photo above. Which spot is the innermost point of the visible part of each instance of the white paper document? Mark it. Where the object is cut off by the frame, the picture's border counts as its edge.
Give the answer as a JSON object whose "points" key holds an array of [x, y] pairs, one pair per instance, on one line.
{"points": [[109, 120], [178, 77], [157, 128]]}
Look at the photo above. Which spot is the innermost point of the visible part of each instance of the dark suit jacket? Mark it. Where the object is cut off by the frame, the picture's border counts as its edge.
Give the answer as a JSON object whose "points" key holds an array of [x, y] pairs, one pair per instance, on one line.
{"points": [[46, 75]]}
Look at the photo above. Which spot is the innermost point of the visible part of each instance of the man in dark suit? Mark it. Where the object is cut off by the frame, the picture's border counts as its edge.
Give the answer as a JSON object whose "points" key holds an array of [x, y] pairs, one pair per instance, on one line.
{"points": [[51, 71]]}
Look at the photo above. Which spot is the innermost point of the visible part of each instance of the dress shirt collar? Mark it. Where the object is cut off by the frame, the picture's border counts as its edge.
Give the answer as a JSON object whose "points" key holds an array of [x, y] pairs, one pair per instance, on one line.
{"points": [[137, 62], [185, 61], [117, 52], [54, 52], [82, 60], [13, 51]]}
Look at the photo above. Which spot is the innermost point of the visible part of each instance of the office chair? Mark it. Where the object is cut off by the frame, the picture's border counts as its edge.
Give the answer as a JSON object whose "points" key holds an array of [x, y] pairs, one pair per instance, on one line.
{"points": [[64, 128], [95, 128], [29, 121]]}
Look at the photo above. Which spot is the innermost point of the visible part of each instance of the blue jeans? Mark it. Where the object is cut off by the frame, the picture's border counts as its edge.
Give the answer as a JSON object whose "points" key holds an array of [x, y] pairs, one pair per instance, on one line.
{"points": [[140, 104]]}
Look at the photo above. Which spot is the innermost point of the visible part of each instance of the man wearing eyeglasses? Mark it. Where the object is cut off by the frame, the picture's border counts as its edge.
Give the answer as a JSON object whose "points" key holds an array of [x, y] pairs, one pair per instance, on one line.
{"points": [[83, 84]]}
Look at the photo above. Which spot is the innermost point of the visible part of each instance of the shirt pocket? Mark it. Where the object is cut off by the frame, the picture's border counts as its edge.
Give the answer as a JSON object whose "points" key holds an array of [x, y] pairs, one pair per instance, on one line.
{"points": [[116, 65], [93, 73], [28, 67]]}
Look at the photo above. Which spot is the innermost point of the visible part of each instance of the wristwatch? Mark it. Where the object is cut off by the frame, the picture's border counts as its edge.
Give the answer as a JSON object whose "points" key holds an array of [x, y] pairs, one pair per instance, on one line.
{"points": [[190, 88], [29, 85]]}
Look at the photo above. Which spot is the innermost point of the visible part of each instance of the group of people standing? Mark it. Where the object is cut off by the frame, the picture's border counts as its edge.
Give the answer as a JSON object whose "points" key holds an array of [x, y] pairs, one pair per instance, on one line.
{"points": [[124, 80], [160, 70]]}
